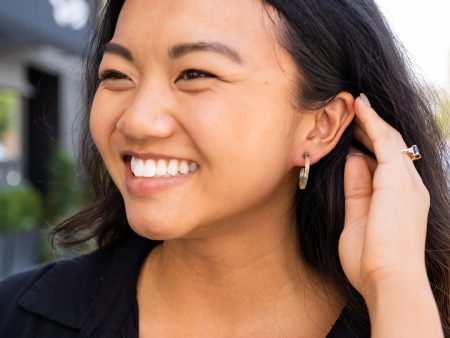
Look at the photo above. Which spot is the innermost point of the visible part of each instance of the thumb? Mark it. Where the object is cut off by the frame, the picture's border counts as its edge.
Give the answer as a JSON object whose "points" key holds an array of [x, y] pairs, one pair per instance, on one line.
{"points": [[357, 189]]}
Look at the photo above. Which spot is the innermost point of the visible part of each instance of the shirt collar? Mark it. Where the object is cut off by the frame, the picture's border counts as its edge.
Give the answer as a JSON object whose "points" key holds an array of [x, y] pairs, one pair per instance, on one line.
{"points": [[93, 293]]}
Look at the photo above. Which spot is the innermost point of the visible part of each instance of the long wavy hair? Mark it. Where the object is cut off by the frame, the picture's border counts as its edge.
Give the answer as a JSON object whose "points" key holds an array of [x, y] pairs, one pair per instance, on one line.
{"points": [[338, 45]]}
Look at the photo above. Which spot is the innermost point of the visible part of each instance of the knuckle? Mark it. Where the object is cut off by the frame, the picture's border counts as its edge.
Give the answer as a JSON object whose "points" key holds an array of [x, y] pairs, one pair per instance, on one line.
{"points": [[396, 135], [390, 134], [358, 193], [386, 133], [427, 197], [425, 193], [421, 190]]}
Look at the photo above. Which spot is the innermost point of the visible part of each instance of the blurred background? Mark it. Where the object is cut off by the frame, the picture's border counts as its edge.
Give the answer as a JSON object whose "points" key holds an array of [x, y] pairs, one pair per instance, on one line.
{"points": [[41, 95]]}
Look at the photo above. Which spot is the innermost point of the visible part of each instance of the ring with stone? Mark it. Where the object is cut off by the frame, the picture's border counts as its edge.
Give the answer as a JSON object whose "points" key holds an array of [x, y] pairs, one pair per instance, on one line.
{"points": [[413, 152]]}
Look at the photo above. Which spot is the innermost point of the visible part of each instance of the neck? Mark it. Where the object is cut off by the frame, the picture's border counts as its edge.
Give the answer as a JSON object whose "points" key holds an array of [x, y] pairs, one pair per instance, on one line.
{"points": [[233, 278]]}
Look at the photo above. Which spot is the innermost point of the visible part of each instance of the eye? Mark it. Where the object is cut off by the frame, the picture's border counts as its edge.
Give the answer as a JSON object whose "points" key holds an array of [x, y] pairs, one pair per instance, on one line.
{"points": [[192, 74], [112, 75]]}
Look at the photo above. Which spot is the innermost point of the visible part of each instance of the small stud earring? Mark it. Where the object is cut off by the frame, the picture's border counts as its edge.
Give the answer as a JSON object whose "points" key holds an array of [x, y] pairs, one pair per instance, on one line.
{"points": [[304, 173]]}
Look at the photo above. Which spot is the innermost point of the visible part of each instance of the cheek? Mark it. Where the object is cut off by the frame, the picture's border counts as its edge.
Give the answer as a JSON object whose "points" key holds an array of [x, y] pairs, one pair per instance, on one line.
{"points": [[95, 122], [244, 142], [236, 129], [102, 121]]}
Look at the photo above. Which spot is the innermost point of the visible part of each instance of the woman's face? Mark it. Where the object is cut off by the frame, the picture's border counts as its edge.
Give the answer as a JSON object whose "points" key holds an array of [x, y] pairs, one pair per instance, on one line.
{"points": [[205, 82]]}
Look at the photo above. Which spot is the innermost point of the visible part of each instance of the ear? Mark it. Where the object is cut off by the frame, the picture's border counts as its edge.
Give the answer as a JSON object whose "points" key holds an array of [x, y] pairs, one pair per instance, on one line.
{"points": [[326, 127]]}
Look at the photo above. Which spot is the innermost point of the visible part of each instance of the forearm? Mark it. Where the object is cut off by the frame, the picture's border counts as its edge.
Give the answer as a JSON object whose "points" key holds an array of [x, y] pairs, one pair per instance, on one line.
{"points": [[403, 308]]}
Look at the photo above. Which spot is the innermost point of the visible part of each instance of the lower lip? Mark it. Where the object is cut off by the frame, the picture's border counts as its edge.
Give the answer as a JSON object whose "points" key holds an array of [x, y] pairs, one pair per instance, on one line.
{"points": [[145, 186]]}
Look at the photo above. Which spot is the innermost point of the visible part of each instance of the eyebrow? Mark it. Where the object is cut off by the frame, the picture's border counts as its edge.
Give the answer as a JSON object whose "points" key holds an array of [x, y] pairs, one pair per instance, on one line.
{"points": [[179, 50], [117, 49]]}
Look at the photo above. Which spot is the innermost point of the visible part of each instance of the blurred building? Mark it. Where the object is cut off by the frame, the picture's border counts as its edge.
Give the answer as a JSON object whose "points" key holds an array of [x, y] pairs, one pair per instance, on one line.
{"points": [[41, 83]]}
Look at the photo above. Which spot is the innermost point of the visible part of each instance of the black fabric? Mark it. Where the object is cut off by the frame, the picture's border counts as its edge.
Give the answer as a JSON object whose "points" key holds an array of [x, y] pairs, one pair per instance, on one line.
{"points": [[91, 296]]}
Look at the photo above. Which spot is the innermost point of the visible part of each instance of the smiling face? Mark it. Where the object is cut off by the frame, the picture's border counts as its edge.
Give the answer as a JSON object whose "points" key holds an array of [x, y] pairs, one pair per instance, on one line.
{"points": [[204, 82]]}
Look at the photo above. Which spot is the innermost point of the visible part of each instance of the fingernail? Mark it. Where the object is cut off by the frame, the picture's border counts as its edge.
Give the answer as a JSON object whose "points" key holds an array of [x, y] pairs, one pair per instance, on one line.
{"points": [[365, 99], [354, 154]]}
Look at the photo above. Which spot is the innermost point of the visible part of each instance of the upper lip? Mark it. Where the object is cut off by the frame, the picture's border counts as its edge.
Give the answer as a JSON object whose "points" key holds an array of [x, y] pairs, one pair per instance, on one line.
{"points": [[155, 156]]}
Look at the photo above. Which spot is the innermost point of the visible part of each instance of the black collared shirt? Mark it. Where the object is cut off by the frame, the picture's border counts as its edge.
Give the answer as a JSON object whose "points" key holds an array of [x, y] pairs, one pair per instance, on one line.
{"points": [[91, 296]]}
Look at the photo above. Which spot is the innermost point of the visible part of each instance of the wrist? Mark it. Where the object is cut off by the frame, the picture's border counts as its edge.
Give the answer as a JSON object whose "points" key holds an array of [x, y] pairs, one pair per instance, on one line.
{"points": [[400, 281], [393, 301], [403, 289], [398, 289]]}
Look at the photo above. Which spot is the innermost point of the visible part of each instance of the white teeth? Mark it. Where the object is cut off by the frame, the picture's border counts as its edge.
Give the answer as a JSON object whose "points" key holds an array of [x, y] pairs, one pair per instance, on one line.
{"points": [[172, 169], [149, 168], [184, 167], [139, 167], [193, 167], [161, 167]]}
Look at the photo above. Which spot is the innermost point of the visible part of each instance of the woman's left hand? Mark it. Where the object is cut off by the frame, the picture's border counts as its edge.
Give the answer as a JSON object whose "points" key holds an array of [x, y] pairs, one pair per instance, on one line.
{"points": [[386, 209]]}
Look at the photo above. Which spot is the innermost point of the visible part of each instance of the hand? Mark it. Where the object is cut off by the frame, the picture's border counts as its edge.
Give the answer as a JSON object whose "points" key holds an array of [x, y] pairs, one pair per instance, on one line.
{"points": [[386, 208]]}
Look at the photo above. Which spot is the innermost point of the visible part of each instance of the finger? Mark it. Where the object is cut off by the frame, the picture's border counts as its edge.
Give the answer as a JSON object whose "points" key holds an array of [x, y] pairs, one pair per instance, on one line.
{"points": [[371, 163], [357, 189], [387, 142], [362, 137]]}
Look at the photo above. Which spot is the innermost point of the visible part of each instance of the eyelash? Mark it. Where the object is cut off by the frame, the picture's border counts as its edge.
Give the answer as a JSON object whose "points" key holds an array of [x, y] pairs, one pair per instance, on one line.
{"points": [[201, 74], [112, 75], [115, 75]]}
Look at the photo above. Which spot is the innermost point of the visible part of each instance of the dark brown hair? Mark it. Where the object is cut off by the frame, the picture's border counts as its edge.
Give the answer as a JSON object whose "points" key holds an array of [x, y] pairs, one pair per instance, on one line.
{"points": [[338, 45]]}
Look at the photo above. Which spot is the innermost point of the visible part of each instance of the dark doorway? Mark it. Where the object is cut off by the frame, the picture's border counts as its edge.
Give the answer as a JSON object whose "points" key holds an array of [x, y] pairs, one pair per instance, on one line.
{"points": [[41, 127]]}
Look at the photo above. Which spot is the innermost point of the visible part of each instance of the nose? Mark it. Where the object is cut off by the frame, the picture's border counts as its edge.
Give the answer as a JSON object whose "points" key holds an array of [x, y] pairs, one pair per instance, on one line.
{"points": [[149, 114]]}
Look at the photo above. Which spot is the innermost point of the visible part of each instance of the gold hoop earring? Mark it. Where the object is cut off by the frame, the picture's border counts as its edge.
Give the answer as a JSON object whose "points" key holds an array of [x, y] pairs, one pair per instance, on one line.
{"points": [[304, 174]]}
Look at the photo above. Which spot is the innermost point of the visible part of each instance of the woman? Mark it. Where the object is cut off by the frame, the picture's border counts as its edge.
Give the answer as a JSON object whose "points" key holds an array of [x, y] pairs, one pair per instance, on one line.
{"points": [[205, 120]]}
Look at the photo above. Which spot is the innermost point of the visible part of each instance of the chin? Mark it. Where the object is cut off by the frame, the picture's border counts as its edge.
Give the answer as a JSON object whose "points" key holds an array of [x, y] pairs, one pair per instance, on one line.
{"points": [[157, 221], [158, 230]]}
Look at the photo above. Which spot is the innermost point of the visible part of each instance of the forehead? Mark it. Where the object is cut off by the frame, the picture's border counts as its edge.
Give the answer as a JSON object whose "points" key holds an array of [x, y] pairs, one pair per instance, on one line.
{"points": [[243, 24]]}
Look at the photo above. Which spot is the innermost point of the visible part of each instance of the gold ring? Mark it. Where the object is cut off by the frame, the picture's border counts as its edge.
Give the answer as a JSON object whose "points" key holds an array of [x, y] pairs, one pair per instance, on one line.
{"points": [[412, 152]]}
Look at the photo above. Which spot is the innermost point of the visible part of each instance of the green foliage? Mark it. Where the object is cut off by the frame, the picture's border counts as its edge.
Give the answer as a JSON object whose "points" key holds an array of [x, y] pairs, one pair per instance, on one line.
{"points": [[8, 100], [20, 209], [62, 200], [64, 191]]}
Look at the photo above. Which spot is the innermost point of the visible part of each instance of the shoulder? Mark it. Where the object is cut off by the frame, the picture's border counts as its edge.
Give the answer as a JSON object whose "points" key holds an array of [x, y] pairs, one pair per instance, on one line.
{"points": [[12, 287], [40, 296], [59, 299]]}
